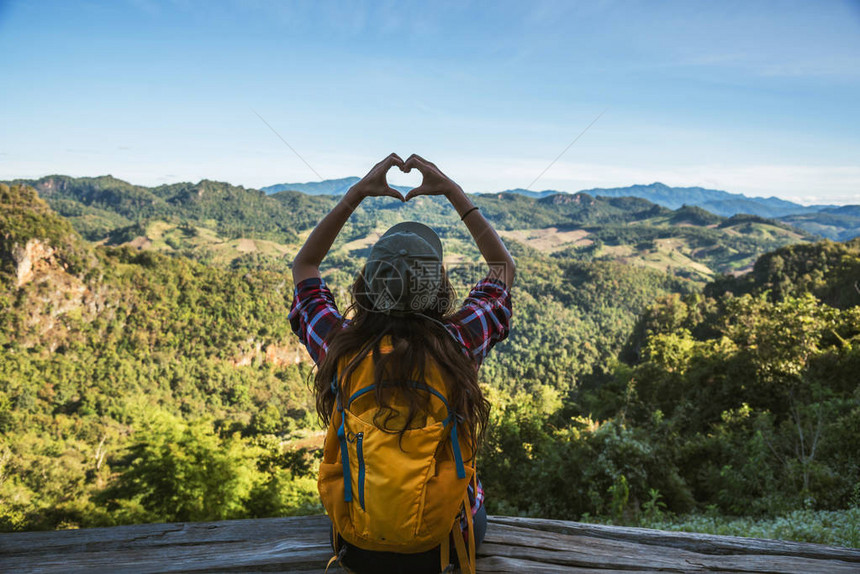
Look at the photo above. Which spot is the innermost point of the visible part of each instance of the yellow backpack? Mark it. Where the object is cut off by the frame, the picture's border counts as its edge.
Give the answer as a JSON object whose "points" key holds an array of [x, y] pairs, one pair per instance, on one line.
{"points": [[384, 491]]}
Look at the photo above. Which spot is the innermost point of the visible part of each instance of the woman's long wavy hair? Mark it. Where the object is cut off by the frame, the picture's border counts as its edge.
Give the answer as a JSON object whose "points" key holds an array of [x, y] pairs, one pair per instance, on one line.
{"points": [[415, 340]]}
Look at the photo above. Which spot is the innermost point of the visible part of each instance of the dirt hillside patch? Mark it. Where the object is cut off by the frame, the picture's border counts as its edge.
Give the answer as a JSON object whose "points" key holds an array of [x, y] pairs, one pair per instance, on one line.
{"points": [[548, 239]]}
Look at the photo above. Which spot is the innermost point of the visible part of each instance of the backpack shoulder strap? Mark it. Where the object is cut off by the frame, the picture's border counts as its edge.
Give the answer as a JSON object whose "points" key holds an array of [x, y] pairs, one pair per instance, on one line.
{"points": [[465, 556], [341, 437]]}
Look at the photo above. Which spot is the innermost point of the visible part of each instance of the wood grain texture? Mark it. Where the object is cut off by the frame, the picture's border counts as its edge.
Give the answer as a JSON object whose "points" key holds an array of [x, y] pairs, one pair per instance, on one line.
{"points": [[513, 545]]}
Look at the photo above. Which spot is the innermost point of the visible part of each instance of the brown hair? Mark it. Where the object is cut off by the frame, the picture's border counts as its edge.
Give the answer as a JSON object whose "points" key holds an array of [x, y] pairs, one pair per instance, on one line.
{"points": [[415, 340]]}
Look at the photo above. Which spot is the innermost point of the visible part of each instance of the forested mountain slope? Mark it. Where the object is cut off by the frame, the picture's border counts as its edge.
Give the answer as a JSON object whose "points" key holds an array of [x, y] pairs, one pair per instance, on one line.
{"points": [[104, 349], [828, 270], [838, 223], [118, 360], [743, 400], [124, 371]]}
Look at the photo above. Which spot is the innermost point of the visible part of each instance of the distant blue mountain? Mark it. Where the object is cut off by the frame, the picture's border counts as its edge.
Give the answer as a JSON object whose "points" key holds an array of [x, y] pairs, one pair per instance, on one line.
{"points": [[831, 221], [714, 200], [671, 197], [325, 187], [845, 210], [764, 207]]}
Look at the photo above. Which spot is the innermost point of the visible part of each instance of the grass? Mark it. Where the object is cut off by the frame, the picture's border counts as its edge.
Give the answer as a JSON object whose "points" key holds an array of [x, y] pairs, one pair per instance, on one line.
{"points": [[207, 244]]}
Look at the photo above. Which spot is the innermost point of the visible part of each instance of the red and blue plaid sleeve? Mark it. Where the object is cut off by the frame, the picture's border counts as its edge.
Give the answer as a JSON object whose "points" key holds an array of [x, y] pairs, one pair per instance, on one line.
{"points": [[484, 319], [314, 316], [476, 500]]}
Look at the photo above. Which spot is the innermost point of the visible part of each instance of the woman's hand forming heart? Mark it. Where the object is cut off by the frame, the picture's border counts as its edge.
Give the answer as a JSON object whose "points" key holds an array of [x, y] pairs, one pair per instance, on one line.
{"points": [[374, 183], [307, 261], [435, 182]]}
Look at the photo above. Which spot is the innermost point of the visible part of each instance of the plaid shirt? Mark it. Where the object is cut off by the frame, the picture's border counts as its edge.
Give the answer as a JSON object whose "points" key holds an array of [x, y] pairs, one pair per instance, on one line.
{"points": [[482, 321]]}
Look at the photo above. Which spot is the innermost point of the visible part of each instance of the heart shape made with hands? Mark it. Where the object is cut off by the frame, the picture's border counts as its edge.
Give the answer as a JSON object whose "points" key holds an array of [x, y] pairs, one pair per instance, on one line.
{"points": [[402, 181]]}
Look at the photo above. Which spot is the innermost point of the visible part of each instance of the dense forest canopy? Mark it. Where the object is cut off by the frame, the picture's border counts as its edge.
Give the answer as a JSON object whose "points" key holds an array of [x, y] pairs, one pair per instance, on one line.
{"points": [[144, 337], [747, 403]]}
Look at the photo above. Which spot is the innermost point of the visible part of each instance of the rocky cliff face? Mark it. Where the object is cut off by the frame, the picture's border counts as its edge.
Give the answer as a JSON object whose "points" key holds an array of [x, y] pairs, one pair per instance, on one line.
{"points": [[285, 354], [277, 355], [36, 248], [53, 184], [31, 260], [50, 296]]}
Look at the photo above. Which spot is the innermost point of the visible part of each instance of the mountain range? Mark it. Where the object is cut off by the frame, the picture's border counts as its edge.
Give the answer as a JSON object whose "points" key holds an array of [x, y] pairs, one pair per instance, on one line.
{"points": [[830, 221], [325, 187], [219, 223]]}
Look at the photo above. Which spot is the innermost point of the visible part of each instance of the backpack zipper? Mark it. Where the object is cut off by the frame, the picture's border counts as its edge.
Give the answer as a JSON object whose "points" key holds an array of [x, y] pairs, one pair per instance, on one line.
{"points": [[359, 447]]}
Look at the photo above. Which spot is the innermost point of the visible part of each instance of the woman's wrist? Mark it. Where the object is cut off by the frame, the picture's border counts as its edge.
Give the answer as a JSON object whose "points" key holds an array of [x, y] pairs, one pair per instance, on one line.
{"points": [[460, 200], [352, 198]]}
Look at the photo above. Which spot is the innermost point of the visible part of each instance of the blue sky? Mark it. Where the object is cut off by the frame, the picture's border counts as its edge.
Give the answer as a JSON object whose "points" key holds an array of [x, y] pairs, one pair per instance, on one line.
{"points": [[761, 98]]}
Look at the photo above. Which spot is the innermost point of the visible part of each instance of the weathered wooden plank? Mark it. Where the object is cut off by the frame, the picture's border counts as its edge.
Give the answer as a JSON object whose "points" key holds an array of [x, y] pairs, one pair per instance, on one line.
{"points": [[702, 543], [145, 535], [588, 558], [579, 551], [602, 553], [247, 558], [281, 544], [301, 545], [506, 565], [188, 561]]}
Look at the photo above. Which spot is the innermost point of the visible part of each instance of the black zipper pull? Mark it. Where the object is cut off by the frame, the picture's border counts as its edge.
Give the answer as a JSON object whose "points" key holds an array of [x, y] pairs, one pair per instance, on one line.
{"points": [[359, 447]]}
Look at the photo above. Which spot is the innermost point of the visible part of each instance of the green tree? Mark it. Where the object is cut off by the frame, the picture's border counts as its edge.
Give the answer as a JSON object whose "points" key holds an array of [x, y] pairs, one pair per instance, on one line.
{"points": [[183, 471]]}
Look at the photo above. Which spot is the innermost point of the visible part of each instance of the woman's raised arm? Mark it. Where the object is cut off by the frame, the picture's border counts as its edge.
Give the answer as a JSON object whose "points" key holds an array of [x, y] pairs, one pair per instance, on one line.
{"points": [[489, 243], [307, 261]]}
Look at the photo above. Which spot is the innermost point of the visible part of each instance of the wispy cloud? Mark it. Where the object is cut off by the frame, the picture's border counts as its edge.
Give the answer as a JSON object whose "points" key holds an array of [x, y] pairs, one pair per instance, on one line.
{"points": [[148, 7], [831, 65]]}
